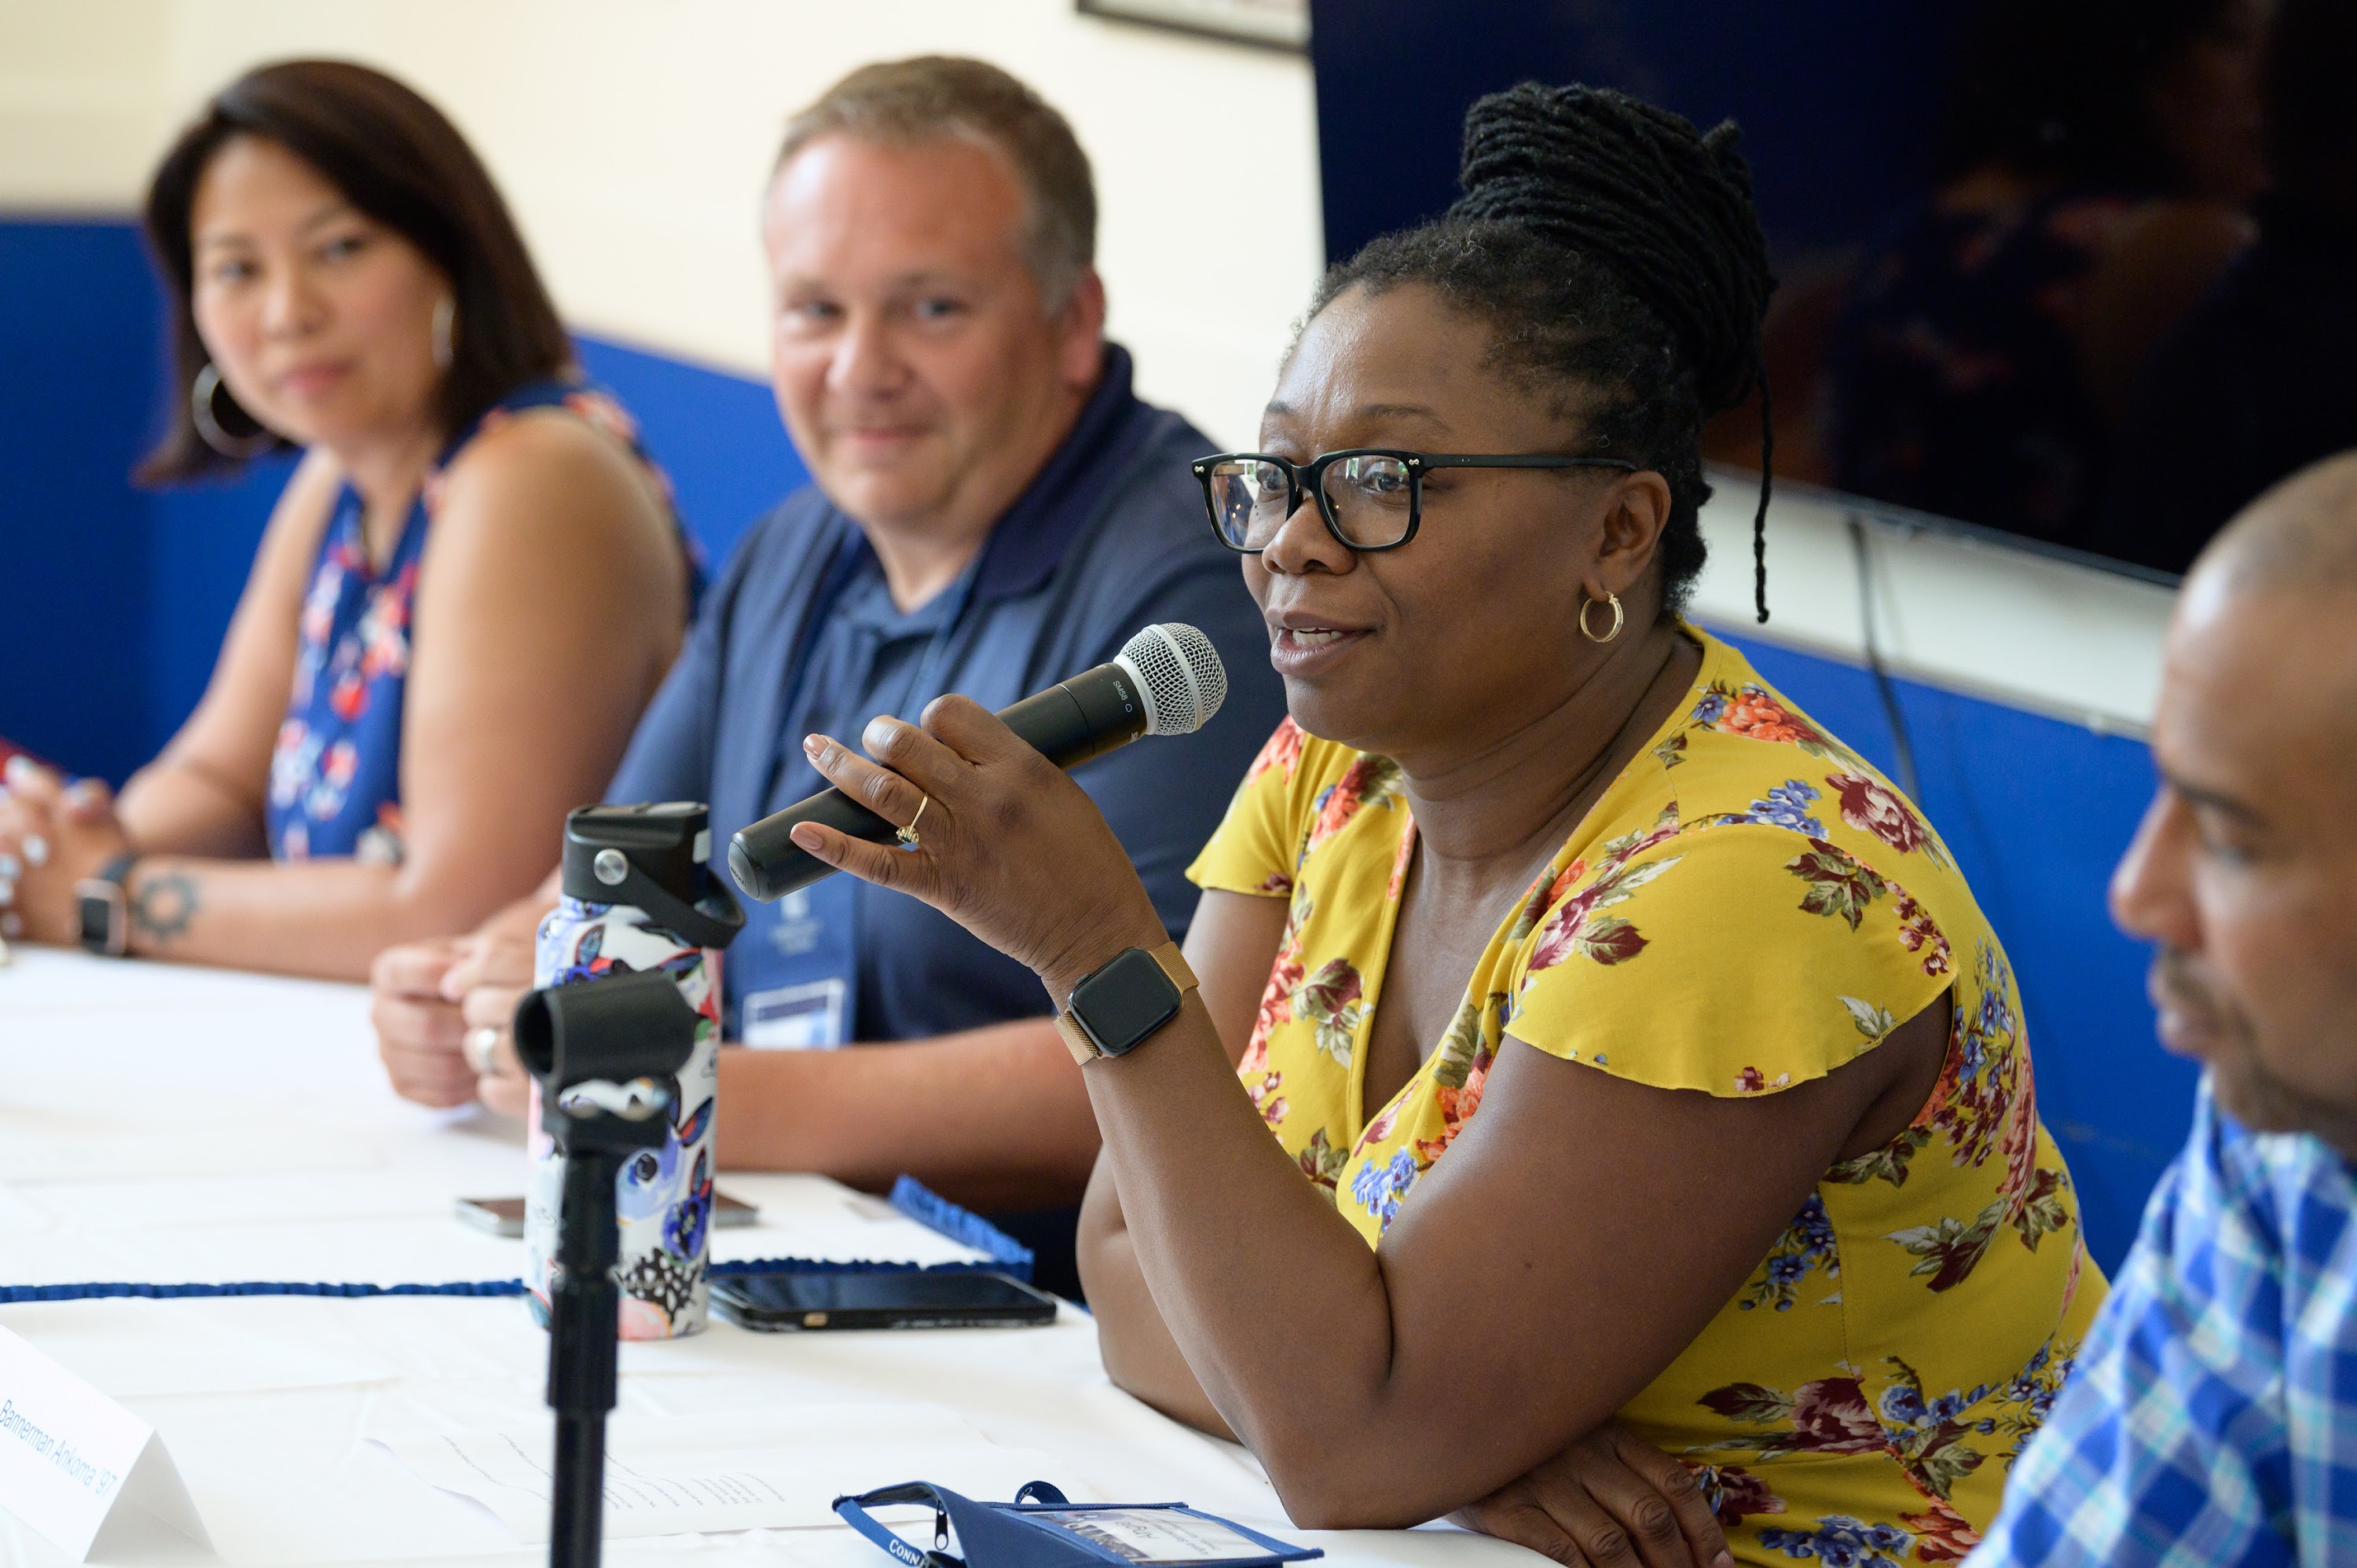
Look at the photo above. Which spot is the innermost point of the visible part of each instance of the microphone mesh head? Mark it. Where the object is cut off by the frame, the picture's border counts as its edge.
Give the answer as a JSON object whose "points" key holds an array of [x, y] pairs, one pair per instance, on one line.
{"points": [[1180, 673]]}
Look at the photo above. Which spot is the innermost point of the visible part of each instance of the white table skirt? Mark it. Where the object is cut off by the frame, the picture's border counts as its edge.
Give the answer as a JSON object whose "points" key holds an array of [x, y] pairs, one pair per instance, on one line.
{"points": [[173, 1125]]}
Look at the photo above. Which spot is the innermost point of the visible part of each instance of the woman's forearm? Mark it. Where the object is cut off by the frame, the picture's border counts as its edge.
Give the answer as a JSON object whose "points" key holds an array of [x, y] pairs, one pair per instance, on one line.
{"points": [[1293, 1300], [324, 918], [172, 808], [1139, 1355]]}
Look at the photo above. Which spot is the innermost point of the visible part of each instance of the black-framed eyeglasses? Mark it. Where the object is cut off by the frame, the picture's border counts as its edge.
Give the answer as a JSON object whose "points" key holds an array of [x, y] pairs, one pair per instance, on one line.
{"points": [[1372, 498]]}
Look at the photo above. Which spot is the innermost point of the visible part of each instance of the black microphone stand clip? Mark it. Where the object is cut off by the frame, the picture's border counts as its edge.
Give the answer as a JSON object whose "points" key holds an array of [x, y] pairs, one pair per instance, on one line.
{"points": [[603, 1051]]}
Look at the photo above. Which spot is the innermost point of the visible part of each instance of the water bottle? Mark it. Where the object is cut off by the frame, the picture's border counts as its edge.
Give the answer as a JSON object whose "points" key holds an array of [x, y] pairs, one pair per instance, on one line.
{"points": [[637, 896]]}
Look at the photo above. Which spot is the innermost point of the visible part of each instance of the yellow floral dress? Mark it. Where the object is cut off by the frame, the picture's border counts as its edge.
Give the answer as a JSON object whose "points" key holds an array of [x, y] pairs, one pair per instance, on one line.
{"points": [[1749, 907]]}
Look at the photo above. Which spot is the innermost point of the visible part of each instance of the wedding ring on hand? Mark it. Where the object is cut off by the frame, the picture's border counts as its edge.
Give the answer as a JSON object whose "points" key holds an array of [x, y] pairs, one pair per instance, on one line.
{"points": [[909, 833], [480, 1049]]}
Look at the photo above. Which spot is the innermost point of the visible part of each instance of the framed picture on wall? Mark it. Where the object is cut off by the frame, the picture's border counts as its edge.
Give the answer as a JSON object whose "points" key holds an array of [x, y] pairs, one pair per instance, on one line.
{"points": [[1271, 23]]}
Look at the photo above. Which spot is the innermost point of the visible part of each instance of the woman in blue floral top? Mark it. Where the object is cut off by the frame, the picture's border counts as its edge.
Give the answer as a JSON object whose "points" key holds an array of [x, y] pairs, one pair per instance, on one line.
{"points": [[467, 592]]}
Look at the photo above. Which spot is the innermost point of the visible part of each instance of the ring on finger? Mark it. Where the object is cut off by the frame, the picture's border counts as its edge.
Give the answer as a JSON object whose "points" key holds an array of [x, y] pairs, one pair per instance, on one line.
{"points": [[908, 834], [480, 1049]]}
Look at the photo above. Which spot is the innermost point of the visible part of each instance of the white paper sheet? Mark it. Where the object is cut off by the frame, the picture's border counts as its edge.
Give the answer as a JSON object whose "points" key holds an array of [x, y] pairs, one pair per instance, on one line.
{"points": [[680, 1475]]}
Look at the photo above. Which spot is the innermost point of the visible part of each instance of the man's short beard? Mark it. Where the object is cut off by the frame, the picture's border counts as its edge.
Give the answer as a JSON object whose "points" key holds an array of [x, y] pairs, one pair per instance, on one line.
{"points": [[2265, 1103], [2242, 1084]]}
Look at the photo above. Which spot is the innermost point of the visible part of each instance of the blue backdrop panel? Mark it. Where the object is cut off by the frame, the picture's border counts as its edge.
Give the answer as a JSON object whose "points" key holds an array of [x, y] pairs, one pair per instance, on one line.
{"points": [[78, 347], [717, 435]]}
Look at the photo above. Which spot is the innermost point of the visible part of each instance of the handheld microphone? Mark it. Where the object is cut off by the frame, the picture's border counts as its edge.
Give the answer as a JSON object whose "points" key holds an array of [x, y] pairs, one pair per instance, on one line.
{"points": [[1168, 680]]}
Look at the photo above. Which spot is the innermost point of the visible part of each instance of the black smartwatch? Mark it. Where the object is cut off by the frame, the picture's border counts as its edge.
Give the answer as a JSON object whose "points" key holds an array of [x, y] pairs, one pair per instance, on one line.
{"points": [[105, 913], [1115, 1008]]}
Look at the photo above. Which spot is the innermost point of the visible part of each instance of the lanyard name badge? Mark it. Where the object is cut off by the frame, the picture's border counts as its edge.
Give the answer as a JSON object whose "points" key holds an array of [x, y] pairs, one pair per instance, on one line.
{"points": [[807, 957], [1041, 1529], [804, 950]]}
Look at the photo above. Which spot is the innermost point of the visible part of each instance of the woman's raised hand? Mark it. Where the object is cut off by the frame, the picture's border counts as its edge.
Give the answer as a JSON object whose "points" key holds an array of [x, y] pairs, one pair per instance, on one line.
{"points": [[1007, 844]]}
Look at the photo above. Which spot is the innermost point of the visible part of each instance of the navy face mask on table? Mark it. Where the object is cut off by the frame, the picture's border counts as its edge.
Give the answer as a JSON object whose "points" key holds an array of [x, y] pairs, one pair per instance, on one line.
{"points": [[1040, 1529]]}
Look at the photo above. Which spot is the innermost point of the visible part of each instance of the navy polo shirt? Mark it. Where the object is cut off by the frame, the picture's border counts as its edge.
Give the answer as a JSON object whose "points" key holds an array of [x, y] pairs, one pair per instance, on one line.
{"points": [[1110, 537]]}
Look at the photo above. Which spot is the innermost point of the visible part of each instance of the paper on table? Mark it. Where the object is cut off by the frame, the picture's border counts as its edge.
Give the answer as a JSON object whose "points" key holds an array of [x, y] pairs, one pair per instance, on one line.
{"points": [[682, 1475]]}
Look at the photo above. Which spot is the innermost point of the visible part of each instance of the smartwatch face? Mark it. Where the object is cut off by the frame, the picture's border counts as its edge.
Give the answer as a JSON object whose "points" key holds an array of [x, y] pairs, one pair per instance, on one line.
{"points": [[1125, 1001], [97, 922]]}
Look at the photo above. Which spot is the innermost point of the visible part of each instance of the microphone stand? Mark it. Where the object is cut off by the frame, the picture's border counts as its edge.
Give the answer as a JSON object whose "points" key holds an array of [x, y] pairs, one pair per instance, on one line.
{"points": [[601, 1049], [584, 1306]]}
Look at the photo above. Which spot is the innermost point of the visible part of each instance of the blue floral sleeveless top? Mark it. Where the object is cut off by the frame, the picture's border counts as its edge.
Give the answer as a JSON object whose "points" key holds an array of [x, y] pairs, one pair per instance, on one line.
{"points": [[335, 774]]}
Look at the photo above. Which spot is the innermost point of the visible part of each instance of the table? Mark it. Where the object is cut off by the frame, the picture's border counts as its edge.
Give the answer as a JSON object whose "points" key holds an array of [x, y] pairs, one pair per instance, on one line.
{"points": [[166, 1124]]}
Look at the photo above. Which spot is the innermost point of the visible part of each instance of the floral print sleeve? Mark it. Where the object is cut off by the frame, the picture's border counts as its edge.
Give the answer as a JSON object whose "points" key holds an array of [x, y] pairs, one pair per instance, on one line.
{"points": [[1831, 956], [1260, 843]]}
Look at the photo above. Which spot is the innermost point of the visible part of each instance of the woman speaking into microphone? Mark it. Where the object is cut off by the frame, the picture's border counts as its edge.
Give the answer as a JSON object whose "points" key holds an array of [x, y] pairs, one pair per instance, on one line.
{"points": [[1577, 1047]]}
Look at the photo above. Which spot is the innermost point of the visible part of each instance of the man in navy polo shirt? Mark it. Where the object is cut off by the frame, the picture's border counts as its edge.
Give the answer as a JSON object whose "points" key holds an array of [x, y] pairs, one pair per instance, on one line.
{"points": [[993, 510]]}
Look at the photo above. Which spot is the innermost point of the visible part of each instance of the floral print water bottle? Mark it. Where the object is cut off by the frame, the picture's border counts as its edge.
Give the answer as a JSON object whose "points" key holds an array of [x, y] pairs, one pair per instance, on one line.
{"points": [[638, 896]]}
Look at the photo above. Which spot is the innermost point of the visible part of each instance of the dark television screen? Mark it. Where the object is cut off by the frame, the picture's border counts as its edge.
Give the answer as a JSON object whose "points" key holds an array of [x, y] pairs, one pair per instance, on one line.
{"points": [[2023, 245]]}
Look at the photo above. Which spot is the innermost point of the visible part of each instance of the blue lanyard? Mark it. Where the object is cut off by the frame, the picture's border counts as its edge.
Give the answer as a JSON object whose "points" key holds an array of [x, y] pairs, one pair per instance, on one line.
{"points": [[1040, 1529]]}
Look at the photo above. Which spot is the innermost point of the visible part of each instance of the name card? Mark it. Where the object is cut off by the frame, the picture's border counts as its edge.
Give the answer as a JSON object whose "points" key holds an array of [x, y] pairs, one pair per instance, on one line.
{"points": [[75, 1466]]}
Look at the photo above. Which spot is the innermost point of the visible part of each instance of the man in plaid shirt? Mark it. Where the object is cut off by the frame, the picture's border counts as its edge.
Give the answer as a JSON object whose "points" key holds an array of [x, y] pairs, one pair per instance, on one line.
{"points": [[2212, 1416]]}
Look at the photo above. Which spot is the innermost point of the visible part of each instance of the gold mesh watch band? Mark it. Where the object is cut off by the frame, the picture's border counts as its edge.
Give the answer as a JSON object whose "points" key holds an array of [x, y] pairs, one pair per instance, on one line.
{"points": [[1076, 1039]]}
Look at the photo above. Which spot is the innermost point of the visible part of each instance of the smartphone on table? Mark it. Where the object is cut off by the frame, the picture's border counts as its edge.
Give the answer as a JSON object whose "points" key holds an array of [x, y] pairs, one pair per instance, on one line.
{"points": [[906, 1299], [504, 1216]]}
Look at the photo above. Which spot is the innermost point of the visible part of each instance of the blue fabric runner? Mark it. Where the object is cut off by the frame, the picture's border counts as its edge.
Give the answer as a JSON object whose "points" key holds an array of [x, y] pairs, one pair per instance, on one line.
{"points": [[910, 1196]]}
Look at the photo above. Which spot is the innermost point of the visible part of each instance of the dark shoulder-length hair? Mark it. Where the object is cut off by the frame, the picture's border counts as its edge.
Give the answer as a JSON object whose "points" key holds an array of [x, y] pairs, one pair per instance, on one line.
{"points": [[394, 157]]}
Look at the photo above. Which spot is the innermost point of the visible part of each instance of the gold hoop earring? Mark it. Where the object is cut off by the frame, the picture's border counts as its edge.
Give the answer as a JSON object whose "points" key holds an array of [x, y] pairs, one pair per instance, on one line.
{"points": [[1588, 605], [201, 413], [446, 326]]}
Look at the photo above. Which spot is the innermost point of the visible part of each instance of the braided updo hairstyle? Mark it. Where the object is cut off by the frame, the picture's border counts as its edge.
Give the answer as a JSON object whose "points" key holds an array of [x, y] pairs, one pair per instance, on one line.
{"points": [[1615, 252]]}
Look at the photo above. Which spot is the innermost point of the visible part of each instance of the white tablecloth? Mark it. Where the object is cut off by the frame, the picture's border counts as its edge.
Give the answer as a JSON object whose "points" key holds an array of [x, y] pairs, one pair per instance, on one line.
{"points": [[176, 1125]]}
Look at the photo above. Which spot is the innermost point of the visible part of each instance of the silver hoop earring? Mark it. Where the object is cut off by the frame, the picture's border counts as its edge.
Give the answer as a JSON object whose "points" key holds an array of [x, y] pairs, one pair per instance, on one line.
{"points": [[445, 324], [1588, 605], [201, 393]]}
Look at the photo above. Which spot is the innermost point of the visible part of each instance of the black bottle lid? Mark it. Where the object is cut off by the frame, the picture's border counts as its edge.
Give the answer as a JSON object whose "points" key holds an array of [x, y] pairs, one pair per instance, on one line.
{"points": [[651, 856]]}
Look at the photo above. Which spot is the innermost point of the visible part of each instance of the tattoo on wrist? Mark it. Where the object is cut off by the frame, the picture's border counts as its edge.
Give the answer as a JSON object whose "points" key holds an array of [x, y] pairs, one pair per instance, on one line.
{"points": [[163, 906]]}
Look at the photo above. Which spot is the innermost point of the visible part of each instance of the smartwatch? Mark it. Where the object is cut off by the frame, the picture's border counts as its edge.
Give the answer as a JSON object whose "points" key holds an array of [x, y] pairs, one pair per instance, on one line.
{"points": [[105, 917], [1114, 1009]]}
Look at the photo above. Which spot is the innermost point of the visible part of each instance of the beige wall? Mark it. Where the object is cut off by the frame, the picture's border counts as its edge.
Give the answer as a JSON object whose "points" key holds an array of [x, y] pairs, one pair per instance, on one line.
{"points": [[631, 137]]}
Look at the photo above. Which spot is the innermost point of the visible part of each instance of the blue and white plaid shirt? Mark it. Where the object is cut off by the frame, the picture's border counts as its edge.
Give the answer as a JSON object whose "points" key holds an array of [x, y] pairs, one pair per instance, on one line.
{"points": [[2213, 1414]]}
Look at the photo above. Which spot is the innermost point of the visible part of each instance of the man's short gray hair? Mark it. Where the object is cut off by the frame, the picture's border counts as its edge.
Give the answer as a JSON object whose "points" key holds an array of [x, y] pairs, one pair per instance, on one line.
{"points": [[933, 97]]}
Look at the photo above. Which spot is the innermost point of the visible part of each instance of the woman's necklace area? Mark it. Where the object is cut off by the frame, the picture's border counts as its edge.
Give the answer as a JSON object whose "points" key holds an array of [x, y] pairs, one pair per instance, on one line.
{"points": [[1550, 835], [1594, 772]]}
